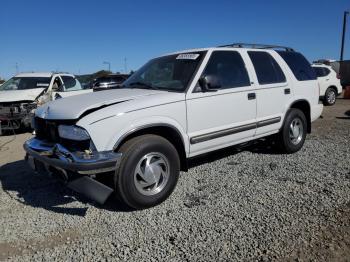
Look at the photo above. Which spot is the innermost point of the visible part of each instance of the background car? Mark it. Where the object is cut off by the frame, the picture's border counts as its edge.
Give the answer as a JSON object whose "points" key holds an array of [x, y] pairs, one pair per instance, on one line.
{"points": [[23, 93], [329, 83], [109, 82]]}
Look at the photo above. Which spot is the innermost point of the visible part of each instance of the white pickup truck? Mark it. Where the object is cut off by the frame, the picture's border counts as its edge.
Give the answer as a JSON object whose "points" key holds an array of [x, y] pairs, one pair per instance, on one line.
{"points": [[21, 94], [175, 107]]}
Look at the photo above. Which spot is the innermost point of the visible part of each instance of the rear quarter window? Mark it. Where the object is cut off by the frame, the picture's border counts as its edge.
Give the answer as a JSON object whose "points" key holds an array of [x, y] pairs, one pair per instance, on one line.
{"points": [[300, 67], [267, 69], [321, 71]]}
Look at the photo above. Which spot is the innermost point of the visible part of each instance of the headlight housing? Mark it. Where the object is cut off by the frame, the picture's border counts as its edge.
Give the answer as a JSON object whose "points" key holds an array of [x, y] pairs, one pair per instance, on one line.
{"points": [[73, 133]]}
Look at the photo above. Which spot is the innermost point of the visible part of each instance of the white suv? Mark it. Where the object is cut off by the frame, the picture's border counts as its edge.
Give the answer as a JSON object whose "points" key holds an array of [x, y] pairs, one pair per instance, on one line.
{"points": [[21, 94], [330, 86], [175, 107]]}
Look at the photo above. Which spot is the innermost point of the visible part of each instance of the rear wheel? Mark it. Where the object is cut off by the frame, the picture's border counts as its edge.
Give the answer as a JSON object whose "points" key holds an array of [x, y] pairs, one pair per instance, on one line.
{"points": [[293, 133], [330, 96], [148, 171]]}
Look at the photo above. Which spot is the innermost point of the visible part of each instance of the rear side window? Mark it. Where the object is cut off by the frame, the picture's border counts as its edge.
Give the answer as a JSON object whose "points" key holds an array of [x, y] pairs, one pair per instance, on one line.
{"points": [[321, 71], [118, 79], [229, 67], [267, 69], [300, 67]]}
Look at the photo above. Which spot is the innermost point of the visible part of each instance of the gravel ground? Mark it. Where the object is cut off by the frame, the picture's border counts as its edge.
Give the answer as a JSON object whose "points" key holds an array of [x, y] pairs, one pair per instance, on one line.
{"points": [[248, 204]]}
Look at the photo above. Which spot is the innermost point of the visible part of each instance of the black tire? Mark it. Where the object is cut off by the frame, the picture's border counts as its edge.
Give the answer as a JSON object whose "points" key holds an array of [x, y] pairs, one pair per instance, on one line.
{"points": [[330, 96], [285, 141], [127, 183]]}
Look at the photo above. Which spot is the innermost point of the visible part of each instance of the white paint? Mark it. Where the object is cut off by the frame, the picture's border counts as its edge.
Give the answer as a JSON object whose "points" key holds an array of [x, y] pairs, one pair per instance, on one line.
{"points": [[329, 80], [191, 113]]}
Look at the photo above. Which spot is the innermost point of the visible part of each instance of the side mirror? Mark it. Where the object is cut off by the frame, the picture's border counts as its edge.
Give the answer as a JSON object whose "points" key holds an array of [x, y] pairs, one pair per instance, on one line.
{"points": [[209, 83]]}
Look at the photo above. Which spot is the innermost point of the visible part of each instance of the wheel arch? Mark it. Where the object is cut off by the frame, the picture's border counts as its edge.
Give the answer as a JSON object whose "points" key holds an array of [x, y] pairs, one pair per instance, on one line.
{"points": [[333, 87], [304, 106], [169, 132]]}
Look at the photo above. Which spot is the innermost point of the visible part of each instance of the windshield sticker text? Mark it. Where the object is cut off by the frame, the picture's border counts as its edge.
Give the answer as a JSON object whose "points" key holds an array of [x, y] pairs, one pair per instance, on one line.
{"points": [[42, 84], [188, 56]]}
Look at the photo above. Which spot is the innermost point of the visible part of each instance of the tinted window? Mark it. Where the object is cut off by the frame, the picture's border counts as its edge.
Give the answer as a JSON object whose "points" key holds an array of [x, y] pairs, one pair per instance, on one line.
{"points": [[321, 71], [299, 65], [118, 79], [104, 79], [229, 67], [326, 71], [266, 68]]}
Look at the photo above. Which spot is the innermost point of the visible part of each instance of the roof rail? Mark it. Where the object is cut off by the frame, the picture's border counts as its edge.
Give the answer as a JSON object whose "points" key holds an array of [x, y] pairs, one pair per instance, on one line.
{"points": [[258, 46]]}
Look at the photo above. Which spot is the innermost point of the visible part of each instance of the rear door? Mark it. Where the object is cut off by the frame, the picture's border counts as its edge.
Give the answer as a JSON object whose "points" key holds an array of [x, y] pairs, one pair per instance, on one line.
{"points": [[273, 92], [226, 116]]}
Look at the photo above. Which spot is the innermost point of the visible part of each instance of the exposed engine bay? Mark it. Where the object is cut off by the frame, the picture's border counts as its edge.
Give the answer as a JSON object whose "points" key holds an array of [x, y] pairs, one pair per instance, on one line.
{"points": [[14, 115]]}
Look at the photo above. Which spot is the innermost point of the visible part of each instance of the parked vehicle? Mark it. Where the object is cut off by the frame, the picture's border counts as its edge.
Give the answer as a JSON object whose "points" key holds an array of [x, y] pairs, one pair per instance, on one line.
{"points": [[329, 83], [175, 107], [21, 94], [109, 82]]}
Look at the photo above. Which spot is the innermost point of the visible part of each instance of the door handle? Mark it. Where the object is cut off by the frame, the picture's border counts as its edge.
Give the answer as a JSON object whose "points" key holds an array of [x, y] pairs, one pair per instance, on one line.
{"points": [[251, 96], [287, 91]]}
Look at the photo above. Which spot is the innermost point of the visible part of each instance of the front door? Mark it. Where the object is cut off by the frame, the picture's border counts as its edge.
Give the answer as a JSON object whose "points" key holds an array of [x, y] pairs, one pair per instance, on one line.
{"points": [[226, 116]]}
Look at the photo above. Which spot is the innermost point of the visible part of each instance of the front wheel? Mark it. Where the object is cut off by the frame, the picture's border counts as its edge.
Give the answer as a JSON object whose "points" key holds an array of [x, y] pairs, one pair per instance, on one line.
{"points": [[148, 171], [330, 96], [293, 133]]}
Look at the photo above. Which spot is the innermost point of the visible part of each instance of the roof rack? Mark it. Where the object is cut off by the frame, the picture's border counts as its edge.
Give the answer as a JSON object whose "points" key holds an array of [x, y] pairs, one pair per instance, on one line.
{"points": [[259, 46]]}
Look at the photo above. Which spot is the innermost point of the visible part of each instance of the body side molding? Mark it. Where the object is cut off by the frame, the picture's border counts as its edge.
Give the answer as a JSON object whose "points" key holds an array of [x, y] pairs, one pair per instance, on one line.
{"points": [[233, 130]]}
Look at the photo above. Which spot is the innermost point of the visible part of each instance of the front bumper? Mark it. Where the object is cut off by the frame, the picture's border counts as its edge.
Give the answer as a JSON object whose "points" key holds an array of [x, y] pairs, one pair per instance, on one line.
{"points": [[77, 169], [58, 156]]}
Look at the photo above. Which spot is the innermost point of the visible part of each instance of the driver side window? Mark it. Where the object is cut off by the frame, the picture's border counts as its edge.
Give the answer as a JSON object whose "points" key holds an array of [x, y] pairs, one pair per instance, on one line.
{"points": [[229, 68]]}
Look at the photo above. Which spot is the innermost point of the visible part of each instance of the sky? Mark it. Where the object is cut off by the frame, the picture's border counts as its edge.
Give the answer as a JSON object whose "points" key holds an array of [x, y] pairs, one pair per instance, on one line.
{"points": [[78, 36]]}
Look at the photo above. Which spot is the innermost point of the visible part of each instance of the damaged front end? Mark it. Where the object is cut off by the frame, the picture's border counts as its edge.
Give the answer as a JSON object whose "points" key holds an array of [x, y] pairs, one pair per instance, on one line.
{"points": [[77, 163], [14, 115]]}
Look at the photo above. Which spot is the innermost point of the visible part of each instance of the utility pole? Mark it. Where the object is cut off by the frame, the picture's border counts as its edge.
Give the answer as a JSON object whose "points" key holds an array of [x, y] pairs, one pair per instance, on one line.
{"points": [[16, 68], [343, 36], [109, 65], [125, 66]]}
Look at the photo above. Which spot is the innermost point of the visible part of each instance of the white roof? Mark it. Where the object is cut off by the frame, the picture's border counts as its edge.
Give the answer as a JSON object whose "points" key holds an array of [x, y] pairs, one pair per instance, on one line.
{"points": [[320, 65], [40, 74]]}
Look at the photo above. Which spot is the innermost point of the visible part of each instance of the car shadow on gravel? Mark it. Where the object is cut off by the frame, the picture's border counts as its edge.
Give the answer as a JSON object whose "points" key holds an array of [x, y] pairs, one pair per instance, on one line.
{"points": [[29, 188], [347, 117]]}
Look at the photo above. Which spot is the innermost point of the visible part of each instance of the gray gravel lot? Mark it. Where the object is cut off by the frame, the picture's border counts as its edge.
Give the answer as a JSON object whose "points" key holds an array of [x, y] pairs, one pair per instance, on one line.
{"points": [[248, 204]]}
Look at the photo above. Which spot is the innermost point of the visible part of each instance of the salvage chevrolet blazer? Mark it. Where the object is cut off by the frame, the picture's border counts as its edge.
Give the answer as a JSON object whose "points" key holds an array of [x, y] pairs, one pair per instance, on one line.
{"points": [[175, 107]]}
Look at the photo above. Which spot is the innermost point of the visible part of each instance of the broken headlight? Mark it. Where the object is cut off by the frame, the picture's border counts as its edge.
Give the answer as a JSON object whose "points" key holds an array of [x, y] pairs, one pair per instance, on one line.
{"points": [[73, 133]]}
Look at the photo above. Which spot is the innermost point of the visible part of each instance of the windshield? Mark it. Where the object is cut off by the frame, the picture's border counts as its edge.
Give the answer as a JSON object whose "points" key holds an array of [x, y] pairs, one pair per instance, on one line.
{"points": [[168, 73], [23, 83]]}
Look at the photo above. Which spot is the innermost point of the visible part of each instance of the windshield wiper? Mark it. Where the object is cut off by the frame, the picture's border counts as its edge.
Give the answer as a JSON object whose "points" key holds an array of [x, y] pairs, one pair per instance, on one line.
{"points": [[144, 85]]}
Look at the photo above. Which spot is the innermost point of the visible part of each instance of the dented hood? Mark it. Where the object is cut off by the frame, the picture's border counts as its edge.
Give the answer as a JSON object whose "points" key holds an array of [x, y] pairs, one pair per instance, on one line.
{"points": [[76, 106], [20, 95]]}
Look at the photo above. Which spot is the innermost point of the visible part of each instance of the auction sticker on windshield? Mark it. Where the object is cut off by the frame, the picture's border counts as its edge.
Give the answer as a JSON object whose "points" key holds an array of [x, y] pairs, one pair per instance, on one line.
{"points": [[188, 56], [42, 84]]}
